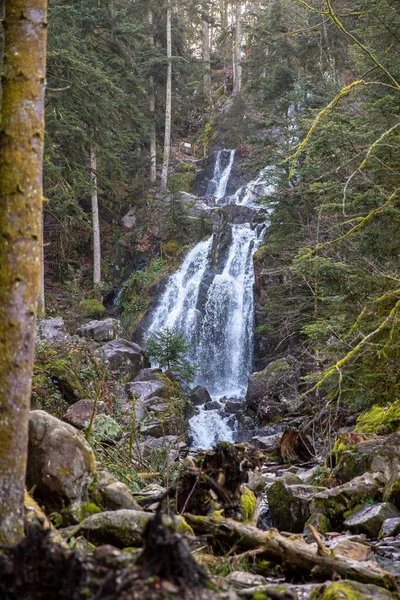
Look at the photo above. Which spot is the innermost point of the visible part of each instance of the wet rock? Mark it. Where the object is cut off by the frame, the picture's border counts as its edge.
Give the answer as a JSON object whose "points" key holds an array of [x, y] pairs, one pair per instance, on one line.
{"points": [[200, 395], [124, 358], [61, 464], [380, 455], [350, 590], [147, 375], [289, 503], [233, 405], [369, 518], [101, 331], [274, 389], [213, 405], [146, 390], [51, 330], [124, 528], [79, 414], [334, 502], [390, 528], [239, 214]]}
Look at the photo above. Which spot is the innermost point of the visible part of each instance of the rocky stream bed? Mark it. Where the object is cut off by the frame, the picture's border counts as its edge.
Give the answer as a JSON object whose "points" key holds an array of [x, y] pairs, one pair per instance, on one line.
{"points": [[271, 516]]}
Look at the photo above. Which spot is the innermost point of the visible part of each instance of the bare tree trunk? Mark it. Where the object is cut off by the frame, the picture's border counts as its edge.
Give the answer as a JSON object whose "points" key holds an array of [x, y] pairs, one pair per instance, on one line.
{"points": [[152, 103], [237, 50], [168, 103], [95, 220], [21, 157], [206, 51], [42, 305], [223, 7]]}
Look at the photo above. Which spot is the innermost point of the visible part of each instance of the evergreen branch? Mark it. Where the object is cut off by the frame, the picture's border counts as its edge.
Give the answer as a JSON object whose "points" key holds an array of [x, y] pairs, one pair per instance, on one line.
{"points": [[340, 25], [327, 109], [336, 367], [361, 223]]}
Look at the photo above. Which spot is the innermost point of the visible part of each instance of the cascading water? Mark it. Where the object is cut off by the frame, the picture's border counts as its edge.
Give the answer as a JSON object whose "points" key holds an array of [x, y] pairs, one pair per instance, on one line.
{"points": [[211, 303]]}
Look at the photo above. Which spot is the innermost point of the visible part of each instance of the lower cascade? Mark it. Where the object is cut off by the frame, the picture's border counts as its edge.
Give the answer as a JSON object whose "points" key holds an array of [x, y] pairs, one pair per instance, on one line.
{"points": [[210, 301]]}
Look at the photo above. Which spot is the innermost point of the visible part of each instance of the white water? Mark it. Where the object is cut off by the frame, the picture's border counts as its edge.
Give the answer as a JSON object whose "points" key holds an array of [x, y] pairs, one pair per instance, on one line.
{"points": [[213, 307]]}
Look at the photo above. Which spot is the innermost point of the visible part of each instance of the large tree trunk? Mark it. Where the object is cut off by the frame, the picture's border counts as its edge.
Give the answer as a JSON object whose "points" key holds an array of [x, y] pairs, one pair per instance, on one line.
{"points": [[95, 220], [21, 155], [152, 103], [206, 51], [168, 103], [237, 50]]}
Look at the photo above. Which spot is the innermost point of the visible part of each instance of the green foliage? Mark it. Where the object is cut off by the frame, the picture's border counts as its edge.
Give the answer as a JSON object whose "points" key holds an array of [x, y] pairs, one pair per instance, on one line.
{"points": [[93, 308], [135, 297], [168, 349]]}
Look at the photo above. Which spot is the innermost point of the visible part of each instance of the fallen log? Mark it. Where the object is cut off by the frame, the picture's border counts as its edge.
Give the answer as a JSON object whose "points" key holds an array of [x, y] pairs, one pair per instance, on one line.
{"points": [[292, 553]]}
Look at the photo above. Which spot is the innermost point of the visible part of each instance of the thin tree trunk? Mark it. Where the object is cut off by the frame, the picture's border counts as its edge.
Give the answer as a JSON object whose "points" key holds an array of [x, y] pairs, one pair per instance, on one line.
{"points": [[152, 103], [168, 103], [21, 157], [237, 50], [42, 305], [95, 220], [223, 6], [206, 51]]}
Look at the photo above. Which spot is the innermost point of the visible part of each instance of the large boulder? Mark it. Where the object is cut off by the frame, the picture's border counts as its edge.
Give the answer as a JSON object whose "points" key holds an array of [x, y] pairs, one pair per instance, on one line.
{"points": [[61, 464], [239, 214], [80, 413], [150, 374], [351, 590], [200, 395], [124, 528], [124, 359], [111, 494], [381, 455], [334, 502], [275, 386], [101, 331], [369, 519], [289, 500], [51, 330], [146, 390]]}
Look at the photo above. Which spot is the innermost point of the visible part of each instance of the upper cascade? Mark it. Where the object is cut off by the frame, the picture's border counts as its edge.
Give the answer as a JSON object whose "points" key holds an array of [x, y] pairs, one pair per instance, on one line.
{"points": [[209, 299]]}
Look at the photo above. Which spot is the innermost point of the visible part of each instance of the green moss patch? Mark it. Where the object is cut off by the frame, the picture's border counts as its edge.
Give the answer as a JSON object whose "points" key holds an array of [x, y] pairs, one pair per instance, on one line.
{"points": [[380, 419]]}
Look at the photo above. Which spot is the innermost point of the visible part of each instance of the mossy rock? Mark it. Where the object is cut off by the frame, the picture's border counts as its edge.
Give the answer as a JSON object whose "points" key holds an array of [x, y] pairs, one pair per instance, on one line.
{"points": [[88, 509], [351, 590], [380, 419], [248, 502], [93, 308]]}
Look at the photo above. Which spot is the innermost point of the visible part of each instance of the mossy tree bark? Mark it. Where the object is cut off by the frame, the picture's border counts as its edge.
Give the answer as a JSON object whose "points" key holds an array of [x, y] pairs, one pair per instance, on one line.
{"points": [[21, 153]]}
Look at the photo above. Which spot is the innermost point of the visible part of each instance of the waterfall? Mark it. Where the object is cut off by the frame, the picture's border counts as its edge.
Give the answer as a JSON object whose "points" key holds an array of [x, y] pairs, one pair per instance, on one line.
{"points": [[211, 303], [222, 170]]}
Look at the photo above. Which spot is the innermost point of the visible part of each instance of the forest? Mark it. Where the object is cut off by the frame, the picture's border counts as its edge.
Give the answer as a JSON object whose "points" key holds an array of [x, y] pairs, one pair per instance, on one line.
{"points": [[199, 299]]}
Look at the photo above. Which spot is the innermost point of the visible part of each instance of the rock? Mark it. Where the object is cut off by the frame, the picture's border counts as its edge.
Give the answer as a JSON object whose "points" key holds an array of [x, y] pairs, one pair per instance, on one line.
{"points": [[275, 388], [351, 590], [124, 358], [391, 493], [34, 514], [61, 464], [320, 522], [200, 396], [390, 528], [146, 390], [233, 405], [268, 442], [129, 220], [334, 502], [124, 528], [168, 444], [147, 375], [160, 428], [213, 405], [243, 579], [380, 455], [369, 518], [111, 494], [352, 549], [79, 414], [289, 500], [101, 331], [51, 330], [239, 214]]}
